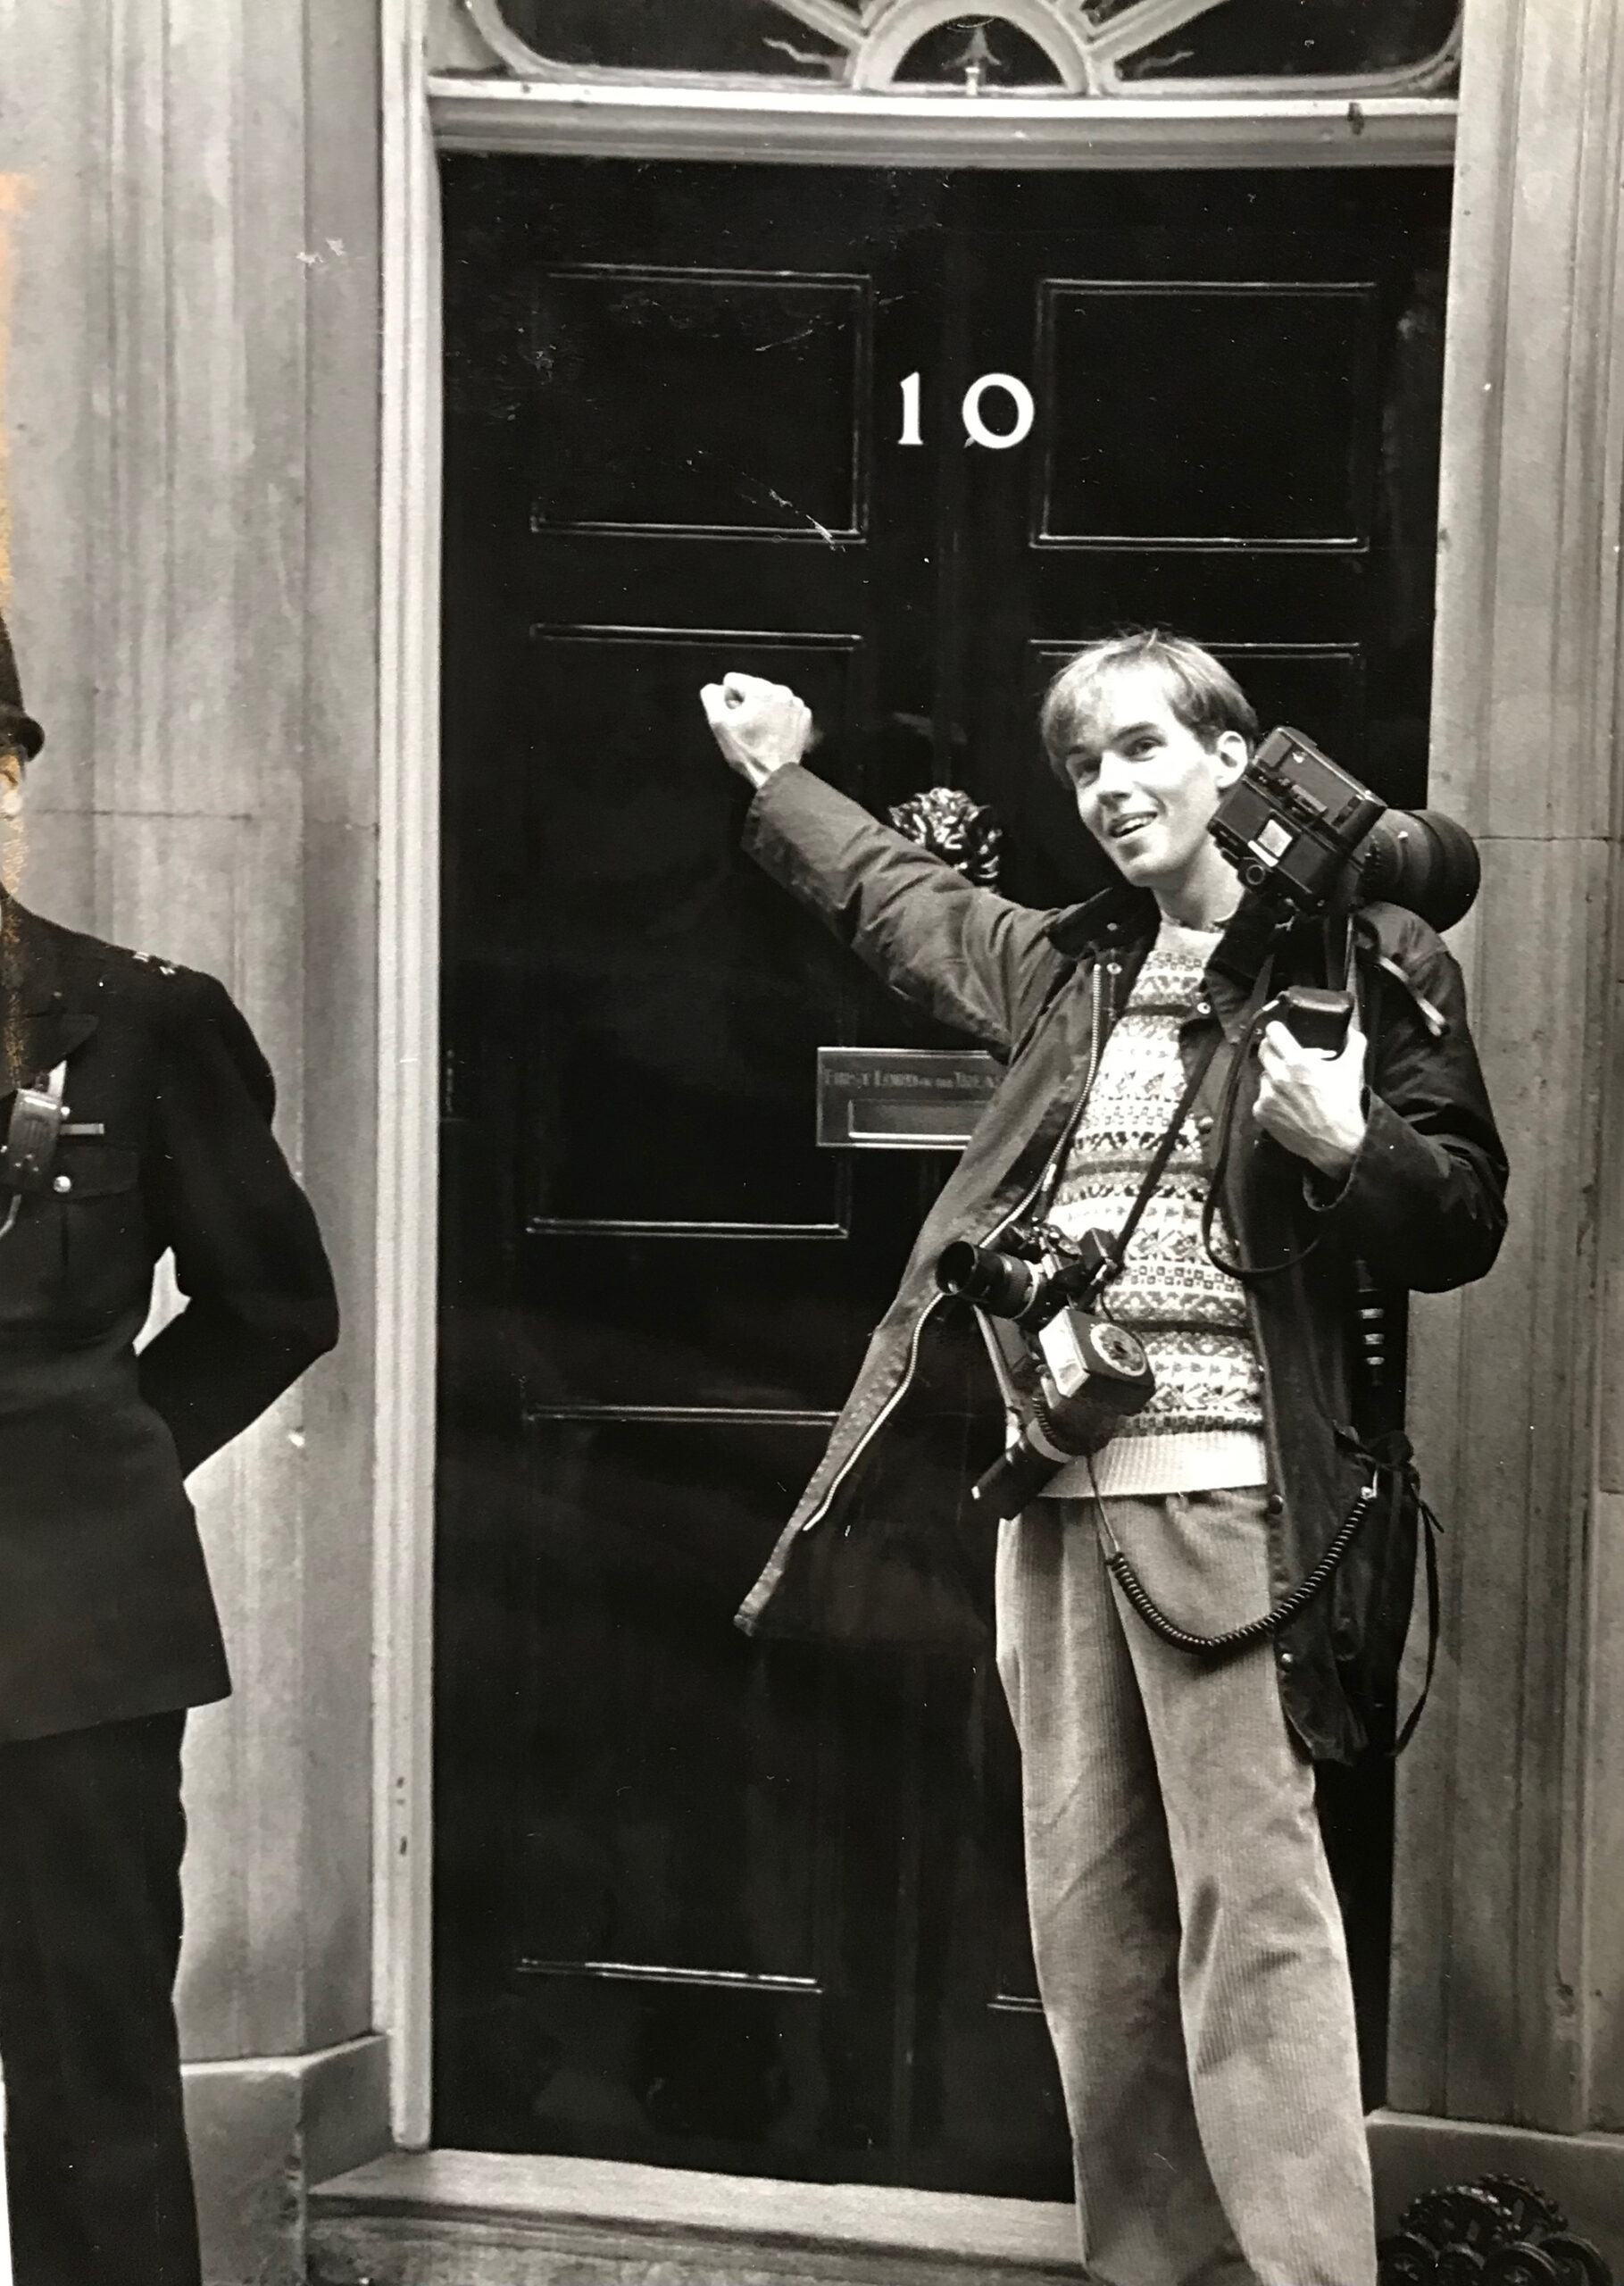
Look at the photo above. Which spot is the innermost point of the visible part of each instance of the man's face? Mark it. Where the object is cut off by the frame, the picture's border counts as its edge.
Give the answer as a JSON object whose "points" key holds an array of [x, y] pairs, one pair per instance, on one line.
{"points": [[1146, 786]]}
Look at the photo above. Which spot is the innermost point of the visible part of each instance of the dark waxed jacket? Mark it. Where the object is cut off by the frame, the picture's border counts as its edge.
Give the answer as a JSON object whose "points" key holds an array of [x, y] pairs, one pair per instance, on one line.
{"points": [[105, 1610], [1422, 1207]]}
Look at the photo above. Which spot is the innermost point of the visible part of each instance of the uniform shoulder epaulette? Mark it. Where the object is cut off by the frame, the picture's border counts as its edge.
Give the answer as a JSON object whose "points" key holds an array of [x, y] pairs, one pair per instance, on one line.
{"points": [[109, 968]]}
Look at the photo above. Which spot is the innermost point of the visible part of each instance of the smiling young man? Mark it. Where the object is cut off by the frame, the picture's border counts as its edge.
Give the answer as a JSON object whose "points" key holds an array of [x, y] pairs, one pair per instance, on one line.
{"points": [[1189, 1947]]}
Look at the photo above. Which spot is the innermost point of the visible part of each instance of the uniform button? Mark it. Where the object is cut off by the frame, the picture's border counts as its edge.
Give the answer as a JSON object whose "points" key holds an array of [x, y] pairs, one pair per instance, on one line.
{"points": [[63, 1182], [1274, 1505], [1285, 1659], [1204, 1125], [1204, 1007]]}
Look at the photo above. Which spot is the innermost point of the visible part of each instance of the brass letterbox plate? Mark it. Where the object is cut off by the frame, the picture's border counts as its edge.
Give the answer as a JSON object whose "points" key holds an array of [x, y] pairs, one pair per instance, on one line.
{"points": [[902, 1098]]}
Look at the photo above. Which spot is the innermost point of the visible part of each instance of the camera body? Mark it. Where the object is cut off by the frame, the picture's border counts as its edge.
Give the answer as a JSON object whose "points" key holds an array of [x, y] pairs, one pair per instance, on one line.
{"points": [[1306, 838], [1069, 1375], [1093, 1375], [1291, 825]]}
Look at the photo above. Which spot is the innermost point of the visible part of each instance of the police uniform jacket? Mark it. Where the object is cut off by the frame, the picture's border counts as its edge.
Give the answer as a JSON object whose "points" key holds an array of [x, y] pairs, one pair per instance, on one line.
{"points": [[1422, 1206], [106, 1611]]}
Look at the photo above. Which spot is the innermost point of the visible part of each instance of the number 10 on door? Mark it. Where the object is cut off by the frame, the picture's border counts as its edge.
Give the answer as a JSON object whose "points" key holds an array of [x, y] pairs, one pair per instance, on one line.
{"points": [[977, 429]]}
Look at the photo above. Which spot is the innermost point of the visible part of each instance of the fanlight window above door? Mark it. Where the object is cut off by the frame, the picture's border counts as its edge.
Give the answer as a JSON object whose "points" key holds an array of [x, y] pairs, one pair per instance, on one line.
{"points": [[1096, 47]]}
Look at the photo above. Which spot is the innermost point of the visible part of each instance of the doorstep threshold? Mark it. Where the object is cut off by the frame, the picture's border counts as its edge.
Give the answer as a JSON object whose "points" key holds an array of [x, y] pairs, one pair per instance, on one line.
{"points": [[504, 2197]]}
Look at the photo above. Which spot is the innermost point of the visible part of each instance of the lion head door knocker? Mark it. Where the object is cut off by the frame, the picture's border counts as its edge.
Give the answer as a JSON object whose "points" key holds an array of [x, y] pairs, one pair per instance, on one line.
{"points": [[916, 1098], [963, 834]]}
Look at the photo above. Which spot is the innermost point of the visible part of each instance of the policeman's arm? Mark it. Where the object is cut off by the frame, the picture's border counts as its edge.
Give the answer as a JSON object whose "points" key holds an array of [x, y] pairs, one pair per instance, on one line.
{"points": [[260, 1300], [1423, 1202], [974, 959]]}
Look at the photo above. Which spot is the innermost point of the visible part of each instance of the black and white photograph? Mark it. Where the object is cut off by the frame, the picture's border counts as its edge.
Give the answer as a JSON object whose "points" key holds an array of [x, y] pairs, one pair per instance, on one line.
{"points": [[811, 1142]]}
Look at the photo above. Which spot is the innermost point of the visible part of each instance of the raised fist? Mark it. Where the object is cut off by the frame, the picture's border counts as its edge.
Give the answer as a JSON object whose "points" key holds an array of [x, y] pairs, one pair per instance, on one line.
{"points": [[760, 726]]}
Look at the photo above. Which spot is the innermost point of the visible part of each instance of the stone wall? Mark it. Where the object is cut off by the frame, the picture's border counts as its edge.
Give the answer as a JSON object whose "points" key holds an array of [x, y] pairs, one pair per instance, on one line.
{"points": [[1509, 1986]]}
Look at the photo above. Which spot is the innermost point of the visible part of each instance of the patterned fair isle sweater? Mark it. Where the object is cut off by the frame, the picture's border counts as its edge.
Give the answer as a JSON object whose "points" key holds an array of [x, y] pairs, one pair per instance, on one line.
{"points": [[1202, 1429]]}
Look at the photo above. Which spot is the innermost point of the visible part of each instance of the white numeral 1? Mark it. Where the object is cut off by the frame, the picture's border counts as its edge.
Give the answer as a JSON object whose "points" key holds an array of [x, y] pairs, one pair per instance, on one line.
{"points": [[910, 412]]}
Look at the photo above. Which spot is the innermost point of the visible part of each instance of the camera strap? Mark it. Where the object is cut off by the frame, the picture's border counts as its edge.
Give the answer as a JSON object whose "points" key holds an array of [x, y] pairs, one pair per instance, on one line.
{"points": [[1201, 1065], [1279, 1614], [1398, 1470], [1199, 1068]]}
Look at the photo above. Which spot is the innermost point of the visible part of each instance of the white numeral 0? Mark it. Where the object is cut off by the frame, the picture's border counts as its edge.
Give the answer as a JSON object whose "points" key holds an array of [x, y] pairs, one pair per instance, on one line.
{"points": [[1019, 396]]}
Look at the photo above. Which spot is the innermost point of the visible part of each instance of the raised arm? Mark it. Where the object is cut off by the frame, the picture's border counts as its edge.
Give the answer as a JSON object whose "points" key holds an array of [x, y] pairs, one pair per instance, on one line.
{"points": [[974, 959]]}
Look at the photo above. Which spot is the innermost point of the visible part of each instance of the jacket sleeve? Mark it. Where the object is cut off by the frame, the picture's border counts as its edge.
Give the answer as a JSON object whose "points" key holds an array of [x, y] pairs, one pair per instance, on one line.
{"points": [[260, 1300], [1424, 1202], [974, 959]]}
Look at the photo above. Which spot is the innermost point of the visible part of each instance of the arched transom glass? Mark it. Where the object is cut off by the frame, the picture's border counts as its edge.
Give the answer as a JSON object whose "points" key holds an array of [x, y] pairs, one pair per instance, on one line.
{"points": [[1092, 48]]}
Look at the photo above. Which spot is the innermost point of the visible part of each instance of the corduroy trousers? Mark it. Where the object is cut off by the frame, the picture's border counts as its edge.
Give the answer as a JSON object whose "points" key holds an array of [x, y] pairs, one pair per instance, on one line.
{"points": [[1189, 1947]]}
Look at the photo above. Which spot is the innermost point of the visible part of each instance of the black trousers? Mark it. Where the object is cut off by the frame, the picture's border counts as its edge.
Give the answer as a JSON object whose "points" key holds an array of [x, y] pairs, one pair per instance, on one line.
{"points": [[98, 2177]]}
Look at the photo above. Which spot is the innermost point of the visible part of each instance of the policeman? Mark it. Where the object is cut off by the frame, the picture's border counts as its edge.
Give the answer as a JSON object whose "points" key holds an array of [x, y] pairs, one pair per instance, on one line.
{"points": [[135, 1109]]}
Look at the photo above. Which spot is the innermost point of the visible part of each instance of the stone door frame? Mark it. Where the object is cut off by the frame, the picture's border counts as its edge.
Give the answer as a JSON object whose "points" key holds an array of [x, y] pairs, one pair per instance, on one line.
{"points": [[422, 114], [1509, 1943]]}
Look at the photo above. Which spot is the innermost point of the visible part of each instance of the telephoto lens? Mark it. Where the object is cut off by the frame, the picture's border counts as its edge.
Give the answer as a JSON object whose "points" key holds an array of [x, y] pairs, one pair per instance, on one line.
{"points": [[1422, 860], [1000, 1283]]}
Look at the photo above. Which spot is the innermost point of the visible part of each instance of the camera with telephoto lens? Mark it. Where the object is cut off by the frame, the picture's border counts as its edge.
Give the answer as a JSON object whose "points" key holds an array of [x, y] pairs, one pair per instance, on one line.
{"points": [[1071, 1376], [1308, 839]]}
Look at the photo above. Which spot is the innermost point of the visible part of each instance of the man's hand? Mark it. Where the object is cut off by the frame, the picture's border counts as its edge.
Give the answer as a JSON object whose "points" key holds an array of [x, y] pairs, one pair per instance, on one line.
{"points": [[761, 727], [1311, 1101]]}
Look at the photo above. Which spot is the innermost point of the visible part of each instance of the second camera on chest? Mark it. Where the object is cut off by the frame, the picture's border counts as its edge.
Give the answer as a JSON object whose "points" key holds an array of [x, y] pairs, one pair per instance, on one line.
{"points": [[1069, 1374]]}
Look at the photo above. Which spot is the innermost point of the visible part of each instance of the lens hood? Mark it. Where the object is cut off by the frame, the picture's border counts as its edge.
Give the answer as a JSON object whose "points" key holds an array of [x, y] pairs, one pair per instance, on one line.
{"points": [[1422, 860]]}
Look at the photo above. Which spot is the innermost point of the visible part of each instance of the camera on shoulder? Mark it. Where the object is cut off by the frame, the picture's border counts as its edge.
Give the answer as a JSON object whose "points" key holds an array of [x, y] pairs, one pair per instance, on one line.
{"points": [[1307, 837]]}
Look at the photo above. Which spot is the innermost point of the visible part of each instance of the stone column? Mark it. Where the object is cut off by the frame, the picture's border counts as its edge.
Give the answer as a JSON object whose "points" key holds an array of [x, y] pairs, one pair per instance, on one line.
{"points": [[1509, 1970], [191, 429]]}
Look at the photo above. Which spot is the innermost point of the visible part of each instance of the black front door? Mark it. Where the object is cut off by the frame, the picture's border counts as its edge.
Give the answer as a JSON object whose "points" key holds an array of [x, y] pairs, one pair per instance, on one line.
{"points": [[700, 1901]]}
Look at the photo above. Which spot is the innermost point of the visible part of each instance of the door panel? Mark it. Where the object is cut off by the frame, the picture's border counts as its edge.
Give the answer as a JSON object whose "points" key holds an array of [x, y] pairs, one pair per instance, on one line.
{"points": [[701, 1900], [773, 373], [669, 1000], [1252, 390]]}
